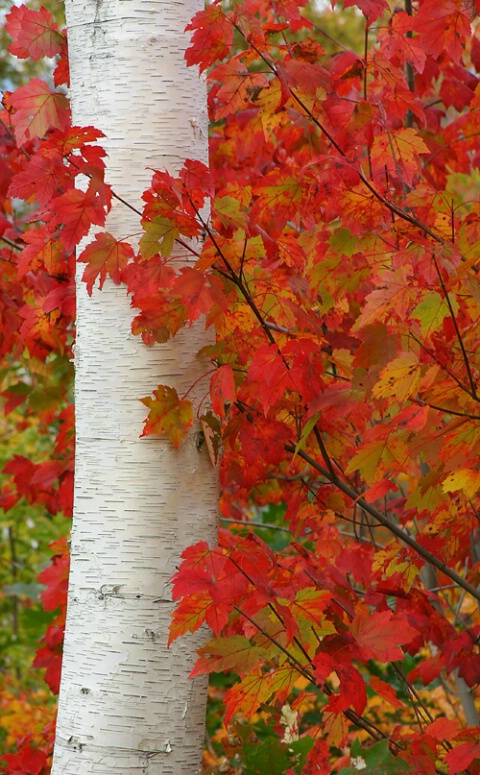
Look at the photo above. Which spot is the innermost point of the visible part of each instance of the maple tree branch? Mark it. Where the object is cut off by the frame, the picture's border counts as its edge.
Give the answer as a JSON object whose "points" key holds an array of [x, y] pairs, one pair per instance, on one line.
{"points": [[444, 409], [272, 608], [292, 660], [414, 695], [366, 540], [12, 244], [442, 365], [449, 144], [387, 522], [473, 387], [464, 692], [365, 91], [242, 260], [386, 129], [352, 716], [280, 329], [266, 525], [330, 37], [323, 450], [360, 721], [236, 280], [383, 199], [139, 212]]}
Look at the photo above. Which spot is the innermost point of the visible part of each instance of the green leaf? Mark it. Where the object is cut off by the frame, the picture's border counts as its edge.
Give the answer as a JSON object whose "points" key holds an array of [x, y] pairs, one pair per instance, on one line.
{"points": [[307, 429], [343, 242], [377, 760], [432, 311], [272, 757], [160, 235]]}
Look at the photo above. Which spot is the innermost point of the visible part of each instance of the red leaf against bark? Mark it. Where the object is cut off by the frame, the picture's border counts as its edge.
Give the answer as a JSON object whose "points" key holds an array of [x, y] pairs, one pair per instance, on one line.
{"points": [[222, 389], [105, 256], [211, 39]]}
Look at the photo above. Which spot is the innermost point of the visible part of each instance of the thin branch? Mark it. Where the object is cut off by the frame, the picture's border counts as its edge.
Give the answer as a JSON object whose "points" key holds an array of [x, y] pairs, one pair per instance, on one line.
{"points": [[292, 660], [473, 387], [352, 716], [382, 199], [236, 280], [442, 365], [11, 244], [387, 522], [250, 522], [447, 145], [323, 450], [444, 409], [272, 609], [329, 37], [365, 89]]}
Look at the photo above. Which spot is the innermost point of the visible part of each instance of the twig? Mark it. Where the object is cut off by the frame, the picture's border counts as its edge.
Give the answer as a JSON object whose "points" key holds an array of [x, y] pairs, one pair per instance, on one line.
{"points": [[247, 523], [473, 387], [11, 244], [387, 522]]}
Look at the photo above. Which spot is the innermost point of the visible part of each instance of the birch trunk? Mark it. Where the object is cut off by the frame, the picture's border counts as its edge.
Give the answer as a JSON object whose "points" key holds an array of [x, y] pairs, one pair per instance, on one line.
{"points": [[126, 704]]}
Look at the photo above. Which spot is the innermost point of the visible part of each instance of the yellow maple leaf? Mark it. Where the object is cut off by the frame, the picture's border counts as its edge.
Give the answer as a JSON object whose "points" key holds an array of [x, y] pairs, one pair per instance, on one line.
{"points": [[464, 479], [399, 378]]}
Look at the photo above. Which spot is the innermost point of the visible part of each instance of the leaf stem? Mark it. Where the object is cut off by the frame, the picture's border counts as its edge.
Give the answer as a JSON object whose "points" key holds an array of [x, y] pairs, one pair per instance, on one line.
{"points": [[473, 387]]}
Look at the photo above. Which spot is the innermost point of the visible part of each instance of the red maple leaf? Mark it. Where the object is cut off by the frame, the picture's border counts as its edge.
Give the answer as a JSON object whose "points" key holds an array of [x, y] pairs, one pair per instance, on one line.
{"points": [[42, 250], [222, 389], [36, 108], [76, 211], [379, 635], [35, 33], [104, 256], [27, 761], [192, 287], [237, 87], [442, 27], [371, 9], [168, 414], [461, 757], [43, 176], [55, 578], [211, 39]]}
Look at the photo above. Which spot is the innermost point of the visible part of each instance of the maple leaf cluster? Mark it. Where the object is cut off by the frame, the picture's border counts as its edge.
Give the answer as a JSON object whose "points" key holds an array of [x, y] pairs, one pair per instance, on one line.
{"points": [[332, 244], [344, 231]]}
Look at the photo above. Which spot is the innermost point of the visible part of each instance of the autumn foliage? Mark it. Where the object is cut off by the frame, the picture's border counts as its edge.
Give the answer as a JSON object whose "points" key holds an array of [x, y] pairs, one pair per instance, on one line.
{"points": [[339, 269]]}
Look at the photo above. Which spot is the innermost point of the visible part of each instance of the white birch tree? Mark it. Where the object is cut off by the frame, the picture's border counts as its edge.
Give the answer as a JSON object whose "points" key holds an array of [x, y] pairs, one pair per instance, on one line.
{"points": [[126, 703]]}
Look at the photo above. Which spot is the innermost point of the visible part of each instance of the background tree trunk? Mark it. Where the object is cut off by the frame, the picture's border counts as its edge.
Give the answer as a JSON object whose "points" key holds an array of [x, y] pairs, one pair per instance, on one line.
{"points": [[126, 703]]}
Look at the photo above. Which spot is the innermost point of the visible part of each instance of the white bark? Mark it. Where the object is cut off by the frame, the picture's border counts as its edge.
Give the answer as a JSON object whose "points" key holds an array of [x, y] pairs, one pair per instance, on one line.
{"points": [[126, 704]]}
